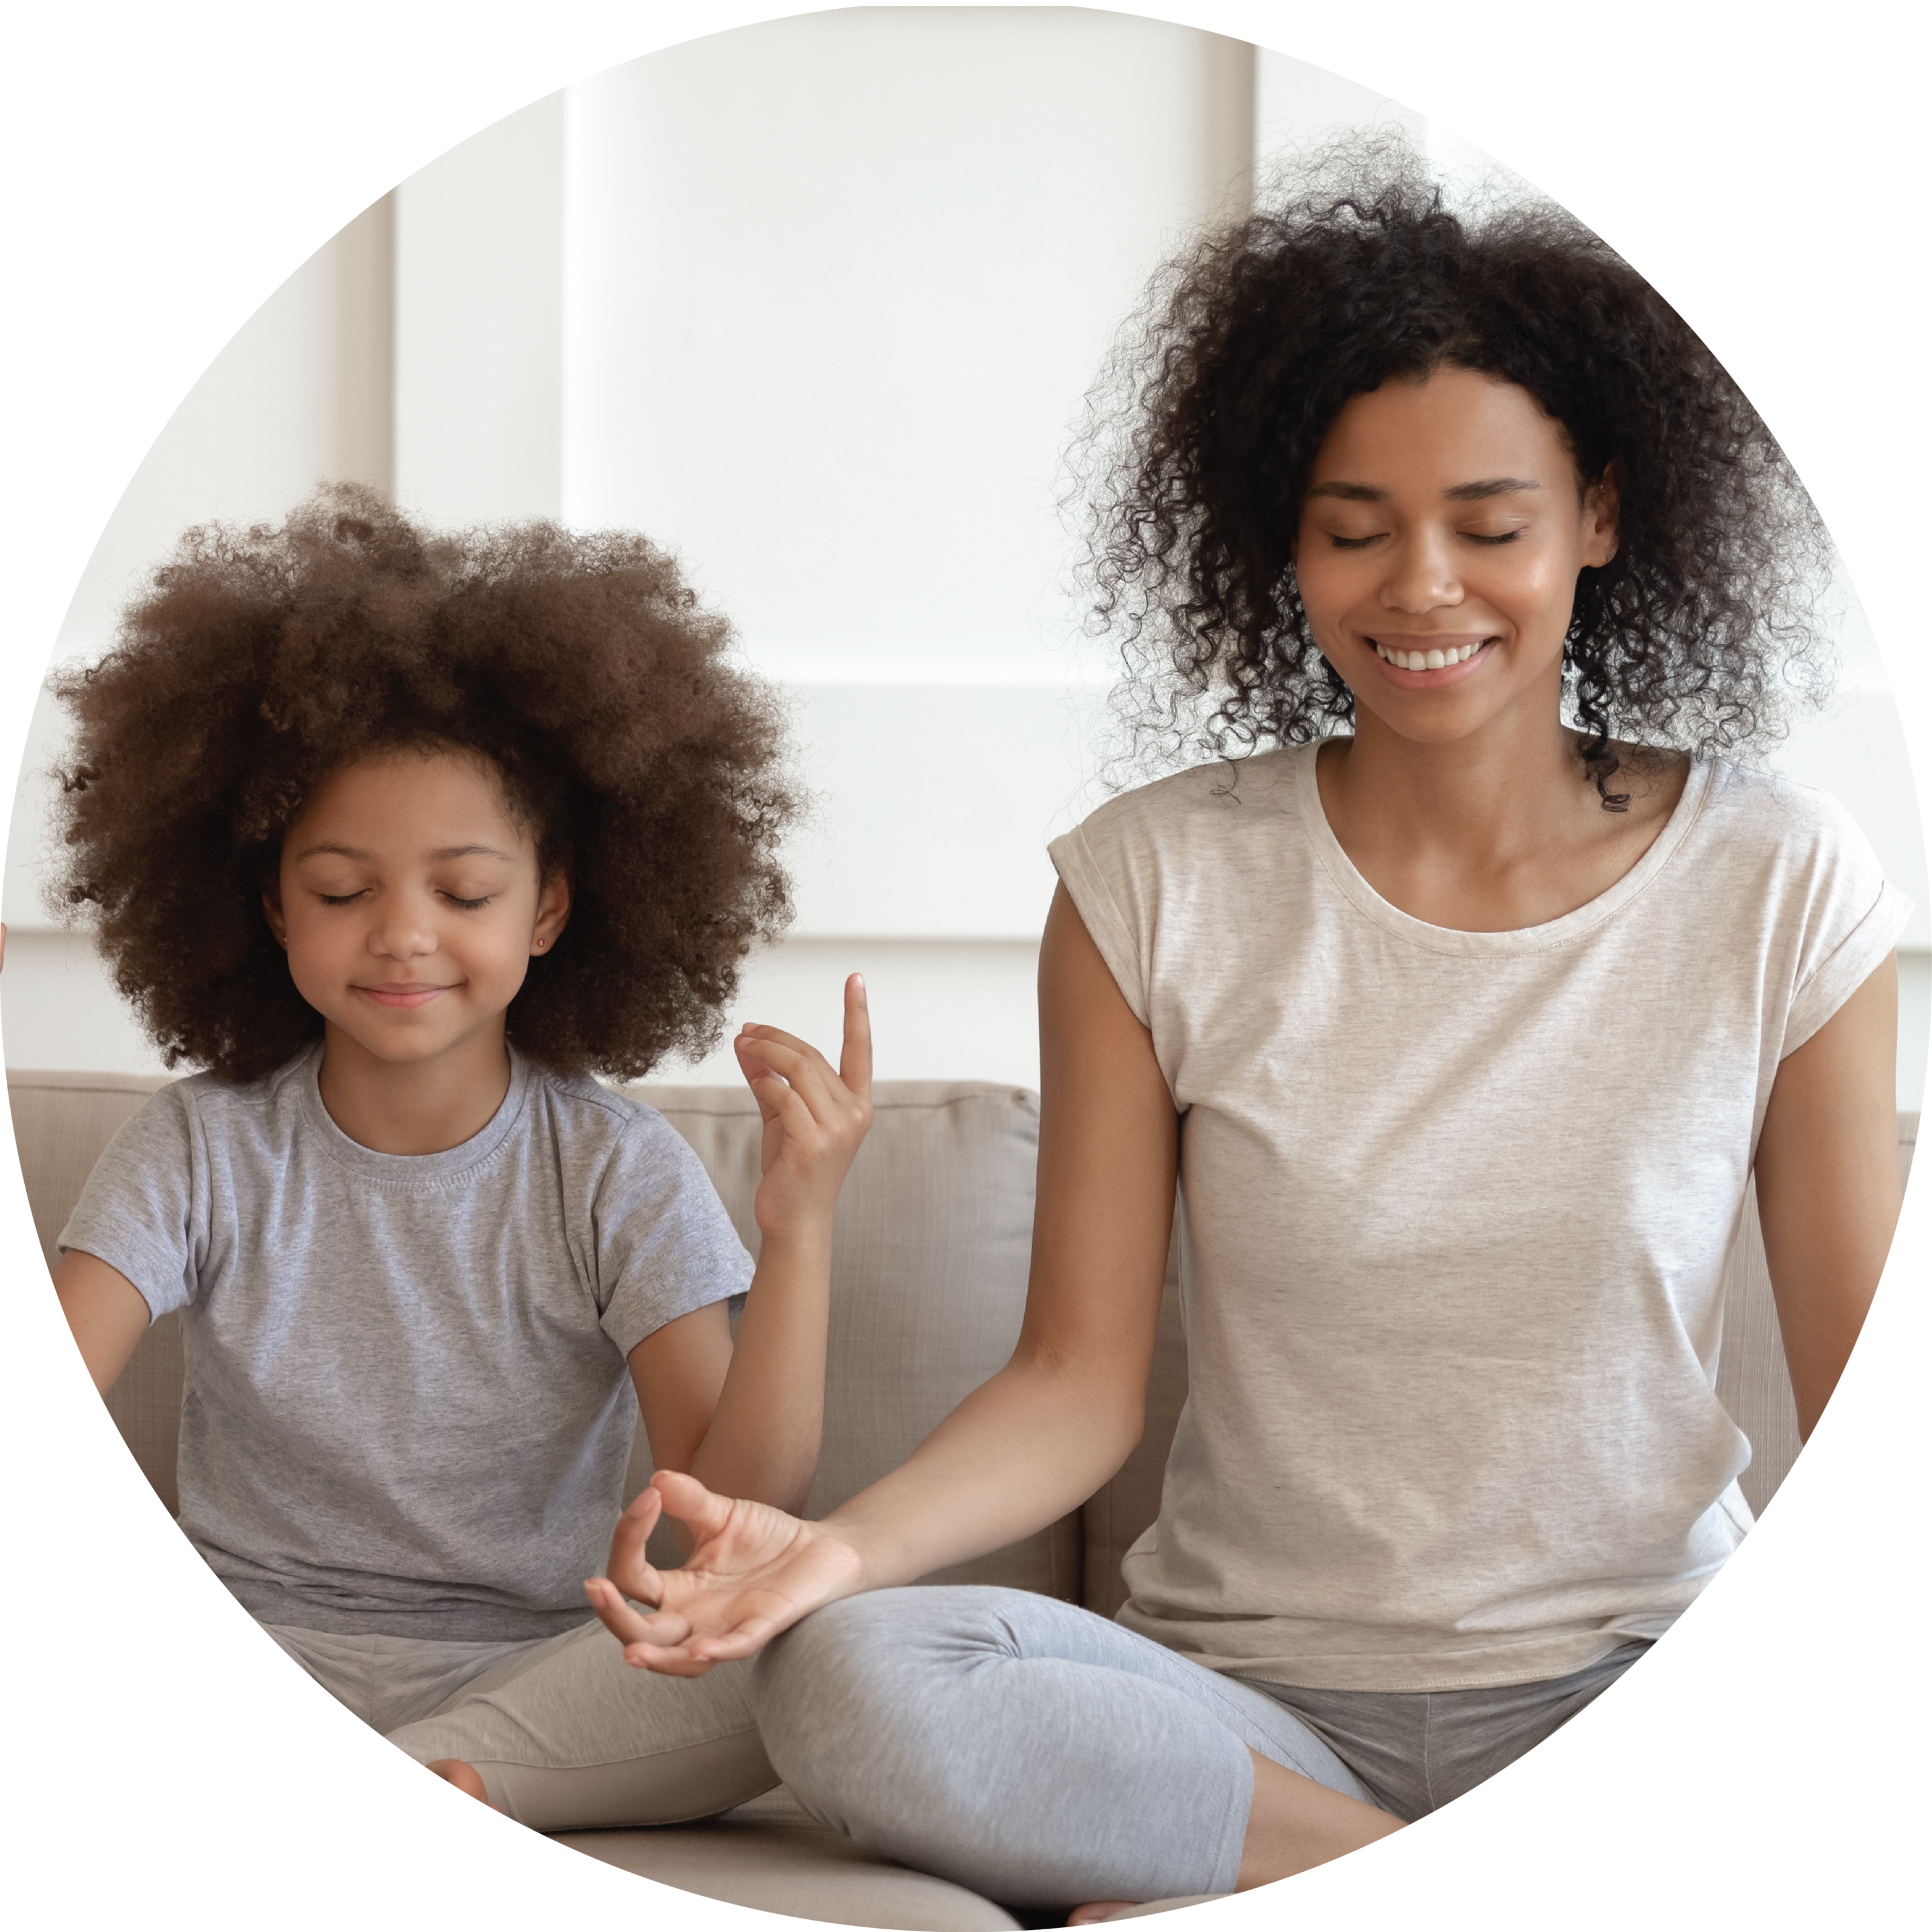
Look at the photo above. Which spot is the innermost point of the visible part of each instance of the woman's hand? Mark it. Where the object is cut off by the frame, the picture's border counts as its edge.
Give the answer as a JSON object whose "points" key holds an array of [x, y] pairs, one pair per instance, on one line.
{"points": [[753, 1572], [815, 1118]]}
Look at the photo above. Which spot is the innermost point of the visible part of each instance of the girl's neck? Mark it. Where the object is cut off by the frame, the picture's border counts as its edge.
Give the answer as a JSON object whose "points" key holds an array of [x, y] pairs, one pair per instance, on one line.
{"points": [[425, 1106], [1492, 833]]}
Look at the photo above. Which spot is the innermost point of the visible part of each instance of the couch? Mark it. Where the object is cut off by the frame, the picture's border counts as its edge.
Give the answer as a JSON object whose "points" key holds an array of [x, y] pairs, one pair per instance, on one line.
{"points": [[929, 1278]]}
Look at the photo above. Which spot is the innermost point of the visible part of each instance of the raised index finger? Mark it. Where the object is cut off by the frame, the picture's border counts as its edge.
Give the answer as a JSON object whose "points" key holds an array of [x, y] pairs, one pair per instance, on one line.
{"points": [[855, 1056]]}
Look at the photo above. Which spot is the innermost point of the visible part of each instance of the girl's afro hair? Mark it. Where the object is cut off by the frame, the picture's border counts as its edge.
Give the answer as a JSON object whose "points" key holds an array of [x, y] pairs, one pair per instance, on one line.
{"points": [[1201, 437], [258, 661]]}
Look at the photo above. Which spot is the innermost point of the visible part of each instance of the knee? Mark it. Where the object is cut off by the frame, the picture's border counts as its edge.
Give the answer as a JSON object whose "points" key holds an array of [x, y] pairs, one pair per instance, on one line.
{"points": [[858, 1679]]}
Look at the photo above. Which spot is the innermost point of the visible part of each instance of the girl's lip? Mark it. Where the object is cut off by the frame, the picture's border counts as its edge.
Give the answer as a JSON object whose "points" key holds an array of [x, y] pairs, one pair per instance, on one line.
{"points": [[402, 994], [1429, 680]]}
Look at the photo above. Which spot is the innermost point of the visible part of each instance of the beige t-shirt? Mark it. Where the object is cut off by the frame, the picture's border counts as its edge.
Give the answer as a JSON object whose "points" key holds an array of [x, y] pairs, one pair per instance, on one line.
{"points": [[1457, 1209]]}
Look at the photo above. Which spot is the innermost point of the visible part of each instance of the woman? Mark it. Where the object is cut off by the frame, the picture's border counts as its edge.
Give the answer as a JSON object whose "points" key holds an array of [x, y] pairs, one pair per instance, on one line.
{"points": [[1464, 1029]]}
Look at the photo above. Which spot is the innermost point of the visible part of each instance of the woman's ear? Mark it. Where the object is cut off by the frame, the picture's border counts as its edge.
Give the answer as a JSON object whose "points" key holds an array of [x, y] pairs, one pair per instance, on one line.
{"points": [[1601, 506], [271, 910], [553, 911]]}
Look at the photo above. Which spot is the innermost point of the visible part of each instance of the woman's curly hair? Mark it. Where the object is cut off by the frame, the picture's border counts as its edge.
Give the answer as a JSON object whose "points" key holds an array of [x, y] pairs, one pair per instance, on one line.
{"points": [[1200, 438], [260, 660]]}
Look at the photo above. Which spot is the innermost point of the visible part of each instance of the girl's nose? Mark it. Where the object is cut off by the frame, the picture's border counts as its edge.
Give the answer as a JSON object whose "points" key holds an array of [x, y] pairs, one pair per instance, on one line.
{"points": [[404, 930]]}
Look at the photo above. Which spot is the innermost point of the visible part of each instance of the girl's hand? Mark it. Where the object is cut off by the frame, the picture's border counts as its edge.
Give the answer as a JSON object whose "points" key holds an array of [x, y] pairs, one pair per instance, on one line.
{"points": [[815, 1118], [753, 1572]]}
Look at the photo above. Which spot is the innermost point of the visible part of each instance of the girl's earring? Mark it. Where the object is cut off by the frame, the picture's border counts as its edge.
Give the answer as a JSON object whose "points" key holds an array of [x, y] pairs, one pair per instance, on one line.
{"points": [[541, 944]]}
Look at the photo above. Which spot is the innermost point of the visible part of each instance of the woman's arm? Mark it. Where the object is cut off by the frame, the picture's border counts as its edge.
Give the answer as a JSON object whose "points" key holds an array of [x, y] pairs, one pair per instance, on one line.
{"points": [[108, 1314], [1828, 1192], [1024, 1447]]}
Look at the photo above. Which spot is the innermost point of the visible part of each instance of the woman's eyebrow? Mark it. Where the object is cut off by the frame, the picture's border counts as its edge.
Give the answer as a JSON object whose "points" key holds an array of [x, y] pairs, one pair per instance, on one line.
{"points": [[1494, 486], [1460, 492]]}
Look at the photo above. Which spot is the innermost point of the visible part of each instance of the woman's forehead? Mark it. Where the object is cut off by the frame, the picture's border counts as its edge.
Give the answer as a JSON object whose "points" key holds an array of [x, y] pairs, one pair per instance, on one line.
{"points": [[1458, 432]]}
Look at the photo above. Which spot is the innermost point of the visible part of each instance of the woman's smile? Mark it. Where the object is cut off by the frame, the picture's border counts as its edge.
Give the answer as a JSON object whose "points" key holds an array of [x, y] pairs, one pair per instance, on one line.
{"points": [[1423, 661]]}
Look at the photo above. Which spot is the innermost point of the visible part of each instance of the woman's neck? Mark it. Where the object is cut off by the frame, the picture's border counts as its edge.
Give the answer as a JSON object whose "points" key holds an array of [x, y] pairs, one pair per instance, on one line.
{"points": [[1492, 833], [425, 1106]]}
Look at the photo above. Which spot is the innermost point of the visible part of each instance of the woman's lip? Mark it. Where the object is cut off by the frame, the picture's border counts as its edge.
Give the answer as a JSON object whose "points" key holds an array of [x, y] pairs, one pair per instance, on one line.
{"points": [[402, 995], [1429, 680]]}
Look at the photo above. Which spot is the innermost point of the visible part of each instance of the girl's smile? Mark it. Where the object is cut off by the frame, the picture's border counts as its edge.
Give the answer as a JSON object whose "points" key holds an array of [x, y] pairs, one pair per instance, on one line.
{"points": [[404, 995]]}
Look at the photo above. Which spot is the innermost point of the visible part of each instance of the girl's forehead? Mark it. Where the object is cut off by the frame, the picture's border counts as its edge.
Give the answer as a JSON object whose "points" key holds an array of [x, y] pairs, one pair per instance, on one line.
{"points": [[411, 799]]}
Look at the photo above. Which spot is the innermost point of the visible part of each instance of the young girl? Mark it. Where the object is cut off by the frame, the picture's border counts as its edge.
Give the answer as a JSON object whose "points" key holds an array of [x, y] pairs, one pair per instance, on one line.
{"points": [[1463, 1027], [401, 837]]}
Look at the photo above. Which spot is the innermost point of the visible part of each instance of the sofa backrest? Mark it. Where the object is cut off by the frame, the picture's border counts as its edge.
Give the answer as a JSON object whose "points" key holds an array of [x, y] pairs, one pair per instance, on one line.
{"points": [[929, 1269]]}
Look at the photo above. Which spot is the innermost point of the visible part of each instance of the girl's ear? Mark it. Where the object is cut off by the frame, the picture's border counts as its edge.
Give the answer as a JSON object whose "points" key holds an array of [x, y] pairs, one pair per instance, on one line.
{"points": [[553, 911], [272, 909]]}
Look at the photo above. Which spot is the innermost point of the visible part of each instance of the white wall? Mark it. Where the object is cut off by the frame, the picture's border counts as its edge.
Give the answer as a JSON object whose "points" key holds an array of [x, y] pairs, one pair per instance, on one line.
{"points": [[815, 303]]}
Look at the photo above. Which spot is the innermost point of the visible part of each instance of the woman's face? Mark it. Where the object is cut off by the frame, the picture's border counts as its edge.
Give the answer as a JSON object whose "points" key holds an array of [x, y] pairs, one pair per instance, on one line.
{"points": [[409, 901], [1441, 538]]}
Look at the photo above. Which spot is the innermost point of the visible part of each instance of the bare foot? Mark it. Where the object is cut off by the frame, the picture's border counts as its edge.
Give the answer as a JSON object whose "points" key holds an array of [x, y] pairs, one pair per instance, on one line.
{"points": [[1101, 1908], [454, 1771]]}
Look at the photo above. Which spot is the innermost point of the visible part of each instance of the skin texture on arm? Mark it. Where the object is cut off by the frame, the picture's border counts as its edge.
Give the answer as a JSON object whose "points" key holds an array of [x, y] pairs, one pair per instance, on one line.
{"points": [[1828, 1190], [107, 1313], [1027, 1446]]}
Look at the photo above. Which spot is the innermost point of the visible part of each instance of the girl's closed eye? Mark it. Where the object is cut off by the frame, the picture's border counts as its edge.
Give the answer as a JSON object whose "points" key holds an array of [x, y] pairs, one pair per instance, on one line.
{"points": [[470, 905]]}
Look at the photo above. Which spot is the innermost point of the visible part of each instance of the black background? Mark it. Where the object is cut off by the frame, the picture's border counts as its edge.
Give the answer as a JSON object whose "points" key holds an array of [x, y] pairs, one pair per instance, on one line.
{"points": [[174, 180]]}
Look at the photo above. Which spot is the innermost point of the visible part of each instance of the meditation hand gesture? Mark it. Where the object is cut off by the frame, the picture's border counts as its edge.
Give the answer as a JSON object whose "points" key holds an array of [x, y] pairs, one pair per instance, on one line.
{"points": [[815, 1118], [753, 1572]]}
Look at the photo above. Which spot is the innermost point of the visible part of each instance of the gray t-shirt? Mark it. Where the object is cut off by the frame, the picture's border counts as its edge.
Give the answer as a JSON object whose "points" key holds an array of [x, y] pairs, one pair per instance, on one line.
{"points": [[407, 1407], [1457, 1210]]}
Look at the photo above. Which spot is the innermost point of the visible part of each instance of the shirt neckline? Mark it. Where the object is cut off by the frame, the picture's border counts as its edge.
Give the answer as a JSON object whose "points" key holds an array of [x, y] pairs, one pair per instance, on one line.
{"points": [[413, 1169], [1573, 925]]}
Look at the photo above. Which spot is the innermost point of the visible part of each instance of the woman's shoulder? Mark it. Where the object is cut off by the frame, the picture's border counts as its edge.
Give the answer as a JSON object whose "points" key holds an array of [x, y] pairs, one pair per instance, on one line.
{"points": [[1209, 800], [1765, 817]]}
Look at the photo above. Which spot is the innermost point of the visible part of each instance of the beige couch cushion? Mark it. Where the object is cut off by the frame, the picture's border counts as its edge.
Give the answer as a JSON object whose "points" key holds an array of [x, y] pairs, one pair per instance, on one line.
{"points": [[930, 1287]]}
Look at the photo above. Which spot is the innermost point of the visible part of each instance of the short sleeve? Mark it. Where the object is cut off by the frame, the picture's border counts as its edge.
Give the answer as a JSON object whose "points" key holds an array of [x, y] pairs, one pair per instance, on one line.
{"points": [[1091, 866], [138, 1211], [665, 1245], [1854, 916]]}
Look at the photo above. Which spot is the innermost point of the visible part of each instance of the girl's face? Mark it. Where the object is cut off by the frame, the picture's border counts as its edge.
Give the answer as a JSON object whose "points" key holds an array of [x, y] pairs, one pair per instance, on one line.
{"points": [[409, 901], [1440, 542]]}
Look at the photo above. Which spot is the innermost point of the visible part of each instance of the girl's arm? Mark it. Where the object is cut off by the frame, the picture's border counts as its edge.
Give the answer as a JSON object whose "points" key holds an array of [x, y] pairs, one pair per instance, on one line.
{"points": [[1023, 1448], [746, 1419], [1828, 1192], [107, 1312]]}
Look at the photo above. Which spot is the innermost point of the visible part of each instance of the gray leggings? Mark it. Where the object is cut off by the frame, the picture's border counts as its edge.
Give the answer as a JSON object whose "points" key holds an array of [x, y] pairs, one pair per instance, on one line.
{"points": [[1042, 1756]]}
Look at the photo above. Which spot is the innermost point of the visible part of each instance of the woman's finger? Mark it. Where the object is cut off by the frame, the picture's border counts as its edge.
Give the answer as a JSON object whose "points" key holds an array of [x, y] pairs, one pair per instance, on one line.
{"points": [[855, 1054]]}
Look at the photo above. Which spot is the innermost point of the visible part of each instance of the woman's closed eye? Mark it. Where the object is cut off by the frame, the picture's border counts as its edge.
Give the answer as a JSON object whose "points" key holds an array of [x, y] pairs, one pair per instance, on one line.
{"points": [[1490, 539]]}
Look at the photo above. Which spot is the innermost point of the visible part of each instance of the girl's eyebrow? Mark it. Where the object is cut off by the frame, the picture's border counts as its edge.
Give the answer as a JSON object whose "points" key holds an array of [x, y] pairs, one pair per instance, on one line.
{"points": [[1460, 492], [336, 850]]}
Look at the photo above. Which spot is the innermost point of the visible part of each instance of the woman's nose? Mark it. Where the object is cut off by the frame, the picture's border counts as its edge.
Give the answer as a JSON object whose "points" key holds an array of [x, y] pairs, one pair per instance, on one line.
{"points": [[1421, 577]]}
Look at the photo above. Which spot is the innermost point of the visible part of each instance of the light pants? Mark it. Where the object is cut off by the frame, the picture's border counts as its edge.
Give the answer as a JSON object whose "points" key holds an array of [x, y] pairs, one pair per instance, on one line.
{"points": [[1044, 1756], [566, 1734]]}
